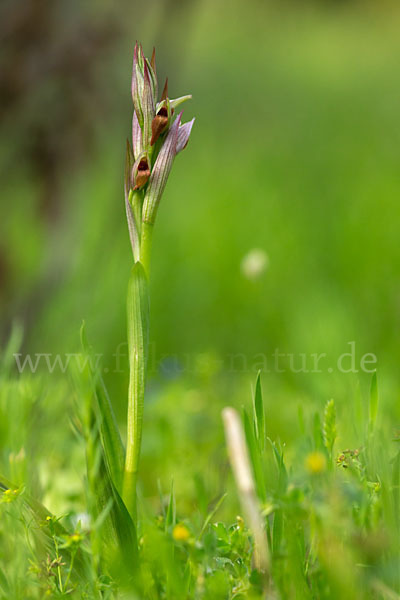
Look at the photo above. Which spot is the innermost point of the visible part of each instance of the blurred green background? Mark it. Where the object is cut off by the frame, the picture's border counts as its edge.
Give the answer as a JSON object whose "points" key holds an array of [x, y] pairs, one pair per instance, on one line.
{"points": [[295, 151]]}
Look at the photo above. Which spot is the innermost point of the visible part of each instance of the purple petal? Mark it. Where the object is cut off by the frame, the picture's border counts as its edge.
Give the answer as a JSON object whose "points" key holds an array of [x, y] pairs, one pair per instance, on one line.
{"points": [[183, 135], [135, 62], [160, 172], [148, 106], [137, 82]]}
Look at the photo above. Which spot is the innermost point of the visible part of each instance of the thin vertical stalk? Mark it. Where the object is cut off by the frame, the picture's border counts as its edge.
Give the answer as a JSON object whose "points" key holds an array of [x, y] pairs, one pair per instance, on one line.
{"points": [[145, 246], [156, 140], [138, 336], [240, 463]]}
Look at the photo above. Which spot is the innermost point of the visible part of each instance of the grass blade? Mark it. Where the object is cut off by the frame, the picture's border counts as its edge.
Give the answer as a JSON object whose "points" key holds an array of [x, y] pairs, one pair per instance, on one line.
{"points": [[255, 457], [329, 426], [114, 451], [42, 534], [259, 414], [211, 515], [170, 519], [373, 403]]}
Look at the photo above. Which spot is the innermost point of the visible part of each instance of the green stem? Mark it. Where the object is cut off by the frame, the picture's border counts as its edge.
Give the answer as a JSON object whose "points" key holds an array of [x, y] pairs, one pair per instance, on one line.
{"points": [[138, 334], [71, 566], [60, 584], [136, 199], [145, 247]]}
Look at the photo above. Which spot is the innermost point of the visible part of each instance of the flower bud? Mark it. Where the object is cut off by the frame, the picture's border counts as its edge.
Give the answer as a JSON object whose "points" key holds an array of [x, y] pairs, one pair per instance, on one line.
{"points": [[144, 90], [138, 82]]}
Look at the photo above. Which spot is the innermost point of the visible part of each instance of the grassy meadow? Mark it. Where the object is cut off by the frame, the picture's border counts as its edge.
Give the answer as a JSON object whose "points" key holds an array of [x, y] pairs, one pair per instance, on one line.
{"points": [[276, 252]]}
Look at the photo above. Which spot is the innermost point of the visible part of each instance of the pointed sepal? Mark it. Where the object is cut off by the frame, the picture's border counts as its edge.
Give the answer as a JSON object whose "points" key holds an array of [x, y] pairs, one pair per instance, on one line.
{"points": [[160, 172]]}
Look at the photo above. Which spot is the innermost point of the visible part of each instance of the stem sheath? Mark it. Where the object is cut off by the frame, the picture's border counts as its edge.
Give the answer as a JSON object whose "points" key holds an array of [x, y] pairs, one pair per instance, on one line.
{"points": [[145, 246], [138, 339]]}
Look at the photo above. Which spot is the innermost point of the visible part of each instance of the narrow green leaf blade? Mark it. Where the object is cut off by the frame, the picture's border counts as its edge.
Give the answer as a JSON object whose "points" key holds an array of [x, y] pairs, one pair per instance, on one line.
{"points": [[373, 403], [277, 532], [255, 457], [114, 451], [259, 413], [211, 515], [329, 426], [170, 519]]}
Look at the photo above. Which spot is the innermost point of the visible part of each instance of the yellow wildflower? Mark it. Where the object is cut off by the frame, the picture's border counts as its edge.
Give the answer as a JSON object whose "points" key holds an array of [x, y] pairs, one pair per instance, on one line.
{"points": [[315, 462], [180, 533]]}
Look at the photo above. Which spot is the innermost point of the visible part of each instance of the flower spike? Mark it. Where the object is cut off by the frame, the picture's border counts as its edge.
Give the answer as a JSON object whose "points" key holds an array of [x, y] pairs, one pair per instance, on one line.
{"points": [[155, 139]]}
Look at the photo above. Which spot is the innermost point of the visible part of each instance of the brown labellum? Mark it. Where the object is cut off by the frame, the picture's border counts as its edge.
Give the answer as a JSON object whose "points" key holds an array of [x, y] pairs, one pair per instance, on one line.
{"points": [[159, 124], [142, 174]]}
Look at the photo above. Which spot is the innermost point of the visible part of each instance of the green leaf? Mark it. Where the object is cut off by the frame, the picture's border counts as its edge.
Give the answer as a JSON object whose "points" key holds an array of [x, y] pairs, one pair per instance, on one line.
{"points": [[280, 463], [373, 403], [125, 529], [114, 451], [259, 414], [255, 457], [170, 519], [113, 527], [113, 533], [317, 432], [277, 532], [329, 427]]}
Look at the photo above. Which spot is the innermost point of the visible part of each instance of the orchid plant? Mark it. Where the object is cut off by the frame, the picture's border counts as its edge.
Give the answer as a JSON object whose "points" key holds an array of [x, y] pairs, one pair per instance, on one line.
{"points": [[156, 139]]}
